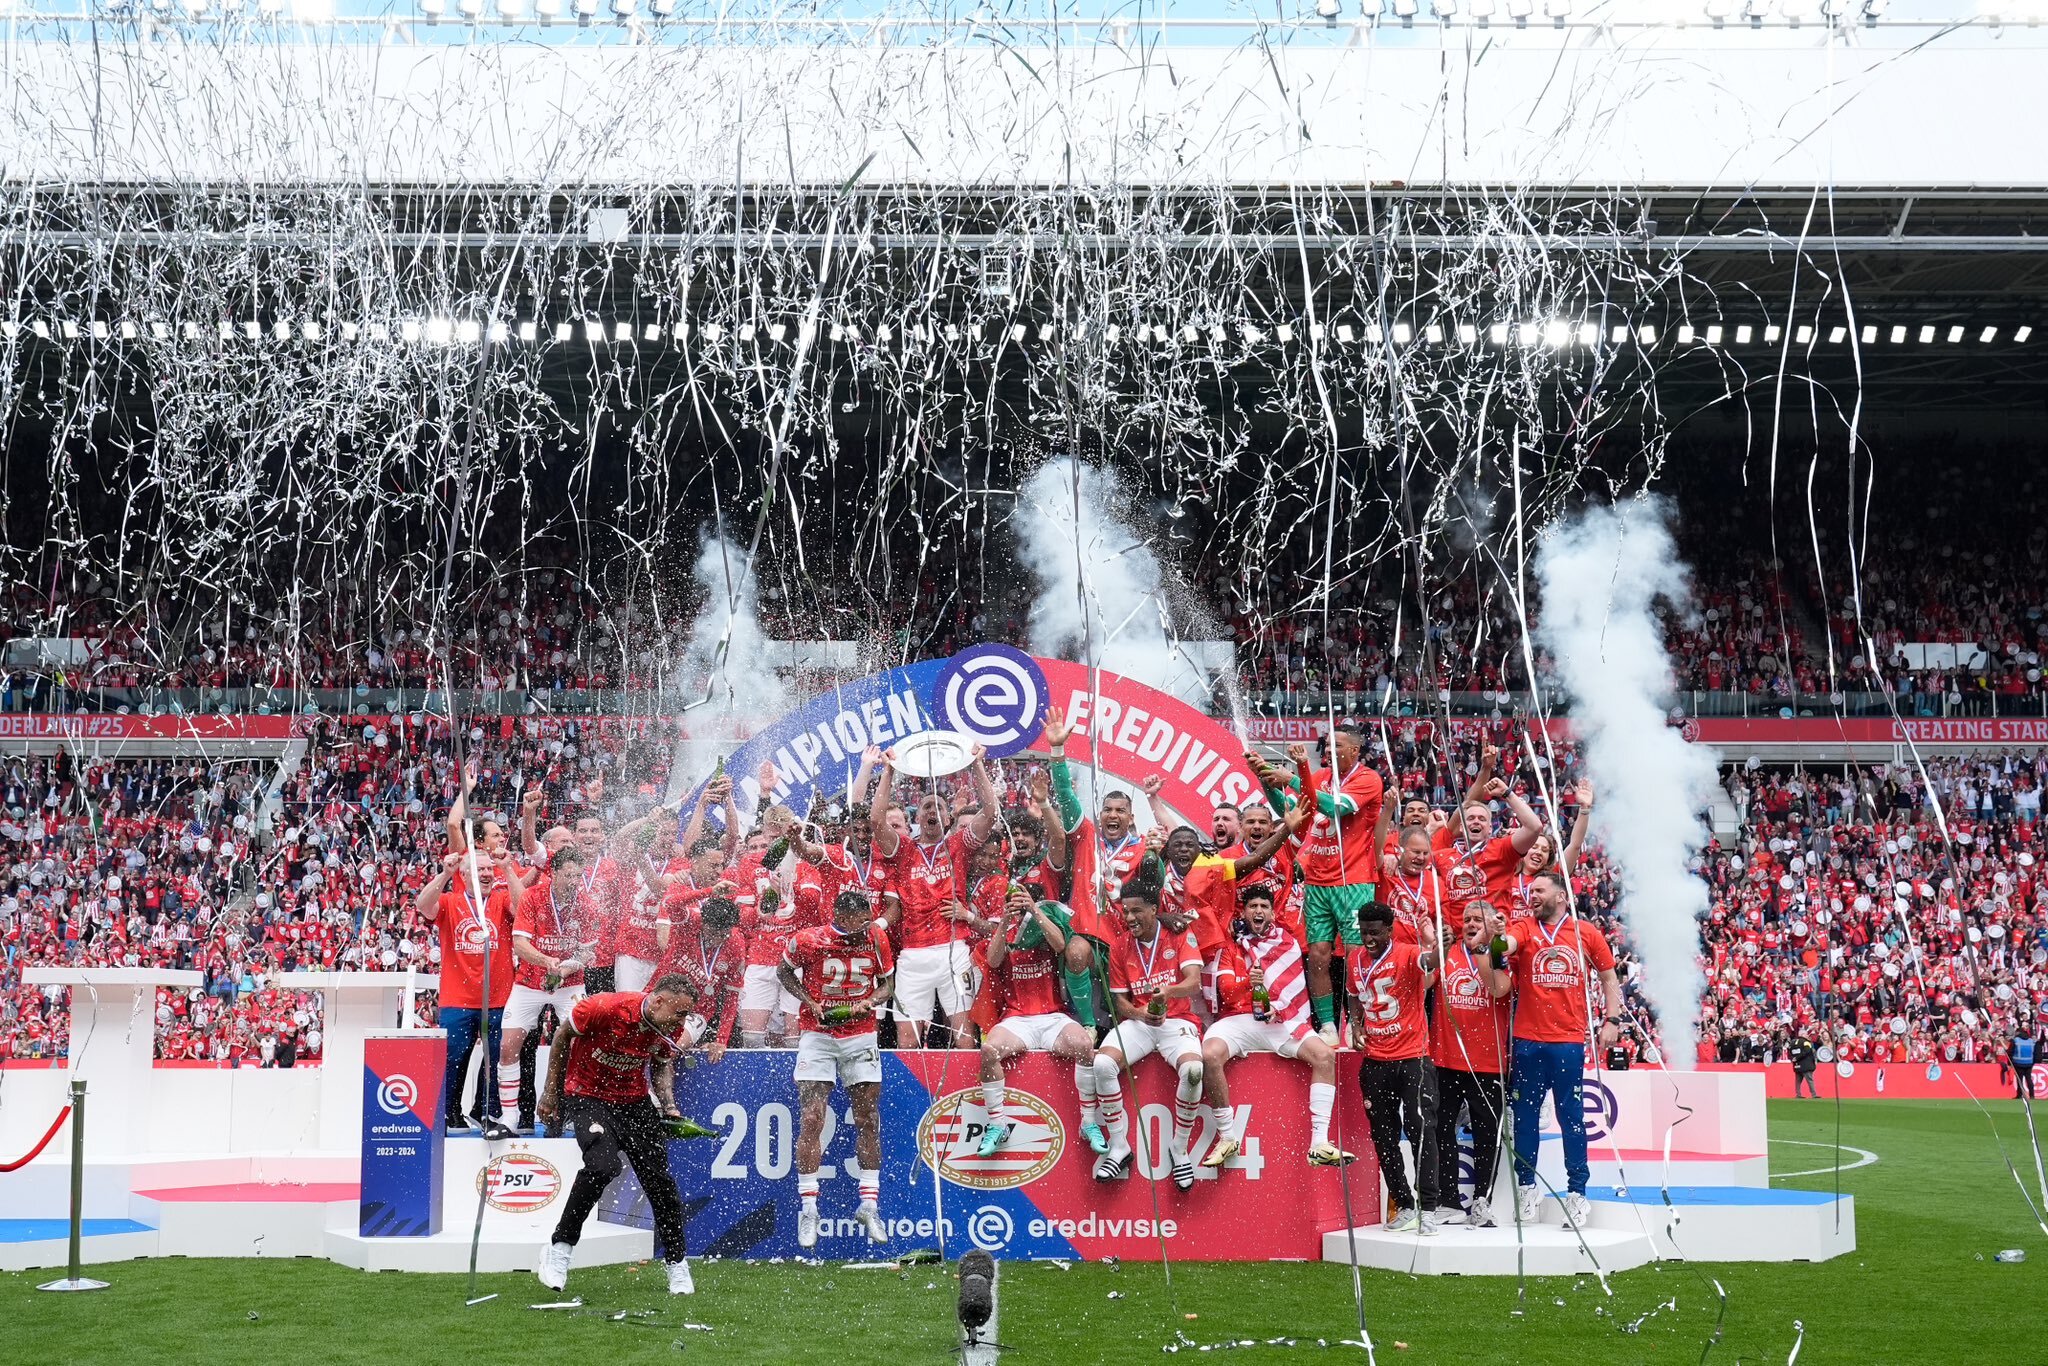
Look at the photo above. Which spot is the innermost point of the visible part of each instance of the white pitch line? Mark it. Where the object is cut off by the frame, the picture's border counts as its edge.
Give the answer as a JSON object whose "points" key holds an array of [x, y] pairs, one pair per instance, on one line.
{"points": [[983, 1352], [1864, 1157]]}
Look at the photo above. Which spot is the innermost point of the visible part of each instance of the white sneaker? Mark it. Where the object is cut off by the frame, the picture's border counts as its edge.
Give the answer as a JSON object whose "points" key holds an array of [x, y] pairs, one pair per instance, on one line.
{"points": [[1481, 1213], [1431, 1225], [1578, 1210], [807, 1223], [1404, 1221], [870, 1218], [1530, 1201], [1447, 1215], [679, 1282], [554, 1266]]}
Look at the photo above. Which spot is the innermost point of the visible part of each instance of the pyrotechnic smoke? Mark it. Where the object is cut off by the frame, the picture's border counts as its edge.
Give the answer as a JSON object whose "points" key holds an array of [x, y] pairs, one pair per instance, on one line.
{"points": [[729, 664], [1102, 597], [1600, 574]]}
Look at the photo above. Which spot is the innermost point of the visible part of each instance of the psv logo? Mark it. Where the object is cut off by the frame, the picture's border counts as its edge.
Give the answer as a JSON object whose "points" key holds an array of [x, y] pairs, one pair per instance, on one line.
{"points": [[519, 1182], [951, 1132]]}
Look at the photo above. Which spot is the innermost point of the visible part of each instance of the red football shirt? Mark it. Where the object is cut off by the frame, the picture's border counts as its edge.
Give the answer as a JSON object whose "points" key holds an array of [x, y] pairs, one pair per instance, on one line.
{"points": [[612, 1047], [1552, 983], [1390, 998], [1142, 971], [846, 870], [923, 878], [1470, 1030], [465, 939], [1470, 873], [551, 931], [1416, 902], [716, 974], [1338, 851], [835, 970], [1028, 982]]}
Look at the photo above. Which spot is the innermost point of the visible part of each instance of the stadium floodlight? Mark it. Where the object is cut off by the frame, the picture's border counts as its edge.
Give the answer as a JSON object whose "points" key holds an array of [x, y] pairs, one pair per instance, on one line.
{"points": [[1518, 10], [1619, 334], [1482, 10], [408, 329], [1558, 10], [1685, 334], [1772, 332], [1719, 10], [1989, 334], [471, 9], [1796, 11], [1836, 335], [195, 8], [547, 9], [1468, 335], [1285, 332], [270, 7], [623, 9], [1955, 334], [662, 8], [1404, 10], [585, 9], [1926, 333], [565, 332], [1743, 334], [1556, 332], [1714, 334], [348, 331], [1870, 334], [440, 331], [1756, 10], [1403, 334], [2022, 332], [1646, 335], [529, 331], [1898, 335], [1444, 9], [1433, 334], [433, 9], [1328, 10], [1498, 334], [1804, 336]]}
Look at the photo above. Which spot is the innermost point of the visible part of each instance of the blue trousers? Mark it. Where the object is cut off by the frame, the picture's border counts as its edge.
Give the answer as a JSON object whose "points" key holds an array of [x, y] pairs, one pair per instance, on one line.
{"points": [[462, 1026], [1557, 1070]]}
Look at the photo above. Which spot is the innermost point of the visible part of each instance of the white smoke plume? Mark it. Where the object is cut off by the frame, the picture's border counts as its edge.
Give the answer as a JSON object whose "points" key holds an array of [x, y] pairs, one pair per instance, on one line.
{"points": [[1601, 573], [1102, 596], [728, 672]]}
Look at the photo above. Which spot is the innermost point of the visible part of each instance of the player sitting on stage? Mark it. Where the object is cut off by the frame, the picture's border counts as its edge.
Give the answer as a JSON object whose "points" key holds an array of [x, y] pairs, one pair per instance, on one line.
{"points": [[1154, 977], [840, 973], [1264, 995], [1024, 958], [598, 1081]]}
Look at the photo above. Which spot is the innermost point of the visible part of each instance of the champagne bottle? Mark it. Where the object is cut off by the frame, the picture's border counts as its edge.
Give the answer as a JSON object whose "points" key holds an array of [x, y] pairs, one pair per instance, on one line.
{"points": [[718, 769], [1262, 1002], [553, 980], [682, 1126], [777, 852], [1156, 1007], [836, 1015]]}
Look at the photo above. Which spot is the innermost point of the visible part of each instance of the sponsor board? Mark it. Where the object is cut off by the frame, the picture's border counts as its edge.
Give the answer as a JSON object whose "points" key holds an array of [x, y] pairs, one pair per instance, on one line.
{"points": [[403, 1171], [1266, 1202]]}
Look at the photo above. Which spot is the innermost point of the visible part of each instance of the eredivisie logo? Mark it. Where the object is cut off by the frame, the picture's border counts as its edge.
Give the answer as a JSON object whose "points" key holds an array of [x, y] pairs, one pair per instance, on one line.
{"points": [[950, 1135], [519, 1182]]}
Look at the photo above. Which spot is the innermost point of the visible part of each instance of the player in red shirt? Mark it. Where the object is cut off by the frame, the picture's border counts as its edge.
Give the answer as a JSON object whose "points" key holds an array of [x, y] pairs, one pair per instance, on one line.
{"points": [[840, 974], [598, 1080], [1339, 858], [1103, 854], [549, 967], [1468, 1044], [1264, 955], [710, 952], [1388, 980], [476, 948], [1555, 957], [1024, 957], [925, 871], [1154, 977]]}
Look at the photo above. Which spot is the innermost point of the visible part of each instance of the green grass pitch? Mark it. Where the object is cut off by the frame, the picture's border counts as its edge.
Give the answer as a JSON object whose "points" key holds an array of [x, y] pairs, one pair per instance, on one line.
{"points": [[1923, 1287]]}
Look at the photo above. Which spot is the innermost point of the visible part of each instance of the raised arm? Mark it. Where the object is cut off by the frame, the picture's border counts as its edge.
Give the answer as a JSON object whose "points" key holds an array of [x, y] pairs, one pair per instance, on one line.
{"points": [[428, 902], [1069, 802], [1489, 755], [983, 822], [1528, 825], [1161, 816], [458, 813], [1267, 847], [1576, 842], [885, 839], [529, 821]]}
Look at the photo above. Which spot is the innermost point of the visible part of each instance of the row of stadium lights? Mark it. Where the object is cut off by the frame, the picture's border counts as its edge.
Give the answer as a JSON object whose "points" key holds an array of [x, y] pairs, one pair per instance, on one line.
{"points": [[456, 331]]}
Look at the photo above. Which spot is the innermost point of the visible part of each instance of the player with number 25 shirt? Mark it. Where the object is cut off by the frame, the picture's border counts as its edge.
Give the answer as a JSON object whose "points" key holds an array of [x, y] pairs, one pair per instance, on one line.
{"points": [[840, 973]]}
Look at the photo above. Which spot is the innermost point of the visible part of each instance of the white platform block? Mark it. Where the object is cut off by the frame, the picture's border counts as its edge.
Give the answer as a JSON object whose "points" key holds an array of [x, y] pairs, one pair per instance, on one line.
{"points": [[602, 1245], [1733, 1224], [243, 1228], [1539, 1250], [94, 1249], [42, 1190]]}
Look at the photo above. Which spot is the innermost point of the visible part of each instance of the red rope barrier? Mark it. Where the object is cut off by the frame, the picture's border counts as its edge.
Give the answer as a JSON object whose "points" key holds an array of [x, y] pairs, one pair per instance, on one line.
{"points": [[44, 1142]]}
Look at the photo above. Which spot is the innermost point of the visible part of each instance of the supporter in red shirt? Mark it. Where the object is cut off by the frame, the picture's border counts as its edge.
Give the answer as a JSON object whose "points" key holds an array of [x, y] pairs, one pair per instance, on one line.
{"points": [[470, 938]]}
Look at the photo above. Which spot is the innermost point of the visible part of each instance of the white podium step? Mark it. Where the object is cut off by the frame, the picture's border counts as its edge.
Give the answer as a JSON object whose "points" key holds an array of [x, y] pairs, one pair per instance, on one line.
{"points": [[1732, 1223], [29, 1243], [1539, 1250], [602, 1245]]}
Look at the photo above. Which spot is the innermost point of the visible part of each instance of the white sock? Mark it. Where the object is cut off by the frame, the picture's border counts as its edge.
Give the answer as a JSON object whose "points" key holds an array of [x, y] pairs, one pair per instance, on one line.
{"points": [[752, 1038], [1084, 1082], [1109, 1100], [1187, 1099], [1226, 1122], [1322, 1099], [870, 1179], [992, 1100], [508, 1091], [807, 1187]]}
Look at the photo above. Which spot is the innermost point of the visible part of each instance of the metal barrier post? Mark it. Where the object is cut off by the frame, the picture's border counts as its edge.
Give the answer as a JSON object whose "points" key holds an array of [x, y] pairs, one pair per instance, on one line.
{"points": [[75, 1281]]}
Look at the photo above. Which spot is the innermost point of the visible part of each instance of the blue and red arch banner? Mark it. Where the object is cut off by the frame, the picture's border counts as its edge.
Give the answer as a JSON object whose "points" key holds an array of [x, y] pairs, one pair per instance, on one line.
{"points": [[1000, 696]]}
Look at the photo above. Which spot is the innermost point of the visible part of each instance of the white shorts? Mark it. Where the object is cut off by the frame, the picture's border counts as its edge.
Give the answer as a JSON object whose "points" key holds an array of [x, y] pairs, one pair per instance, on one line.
{"points": [[827, 1057], [1177, 1041], [763, 991], [632, 974], [1247, 1035], [1037, 1033], [522, 1010], [941, 974]]}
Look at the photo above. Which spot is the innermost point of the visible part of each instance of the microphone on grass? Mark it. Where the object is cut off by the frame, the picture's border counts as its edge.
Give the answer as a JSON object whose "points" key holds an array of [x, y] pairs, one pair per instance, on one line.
{"points": [[977, 1289]]}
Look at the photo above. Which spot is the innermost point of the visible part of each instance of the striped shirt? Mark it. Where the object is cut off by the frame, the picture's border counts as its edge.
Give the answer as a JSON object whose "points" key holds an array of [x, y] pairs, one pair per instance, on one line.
{"points": [[1278, 954]]}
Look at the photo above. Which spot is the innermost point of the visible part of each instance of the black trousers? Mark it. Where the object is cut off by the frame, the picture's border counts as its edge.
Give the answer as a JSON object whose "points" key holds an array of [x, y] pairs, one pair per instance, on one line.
{"points": [[1485, 1096], [2023, 1081], [1802, 1082], [612, 1133], [1398, 1095]]}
